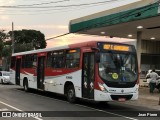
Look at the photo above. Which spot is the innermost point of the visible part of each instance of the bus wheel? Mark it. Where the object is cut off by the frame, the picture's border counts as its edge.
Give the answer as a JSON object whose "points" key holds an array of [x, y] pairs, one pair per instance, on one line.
{"points": [[159, 89], [103, 103], [25, 85], [1, 81], [71, 94]]}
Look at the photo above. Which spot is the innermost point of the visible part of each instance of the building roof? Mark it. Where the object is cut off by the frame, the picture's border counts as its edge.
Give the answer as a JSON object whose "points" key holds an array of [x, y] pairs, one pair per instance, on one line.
{"points": [[121, 21]]}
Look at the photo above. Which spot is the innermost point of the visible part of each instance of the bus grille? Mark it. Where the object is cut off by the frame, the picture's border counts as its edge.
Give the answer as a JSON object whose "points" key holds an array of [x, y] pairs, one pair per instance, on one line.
{"points": [[116, 97]]}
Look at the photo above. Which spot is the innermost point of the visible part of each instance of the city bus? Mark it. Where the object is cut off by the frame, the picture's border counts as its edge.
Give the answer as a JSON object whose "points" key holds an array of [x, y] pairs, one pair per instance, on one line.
{"points": [[98, 71]]}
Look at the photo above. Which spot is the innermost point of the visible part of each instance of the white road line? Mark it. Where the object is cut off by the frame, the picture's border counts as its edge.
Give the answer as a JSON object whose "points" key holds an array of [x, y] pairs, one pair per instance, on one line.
{"points": [[84, 106], [107, 112], [17, 109], [4, 109]]}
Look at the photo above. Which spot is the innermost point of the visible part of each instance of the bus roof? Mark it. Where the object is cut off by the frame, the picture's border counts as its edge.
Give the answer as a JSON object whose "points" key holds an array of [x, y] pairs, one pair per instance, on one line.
{"points": [[76, 45], [40, 50]]}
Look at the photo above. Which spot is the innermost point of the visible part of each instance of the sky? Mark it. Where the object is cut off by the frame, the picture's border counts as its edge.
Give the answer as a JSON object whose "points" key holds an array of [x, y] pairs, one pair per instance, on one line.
{"points": [[52, 17]]}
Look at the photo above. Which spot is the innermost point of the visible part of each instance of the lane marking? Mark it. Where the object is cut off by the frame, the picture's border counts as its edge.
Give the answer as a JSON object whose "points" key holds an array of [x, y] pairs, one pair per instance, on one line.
{"points": [[4, 109], [83, 106], [17, 109], [107, 112]]}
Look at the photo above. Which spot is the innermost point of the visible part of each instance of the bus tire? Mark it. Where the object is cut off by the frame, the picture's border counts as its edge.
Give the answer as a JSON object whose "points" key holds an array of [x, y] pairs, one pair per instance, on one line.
{"points": [[103, 103], [1, 81], [71, 97], [25, 85], [159, 90]]}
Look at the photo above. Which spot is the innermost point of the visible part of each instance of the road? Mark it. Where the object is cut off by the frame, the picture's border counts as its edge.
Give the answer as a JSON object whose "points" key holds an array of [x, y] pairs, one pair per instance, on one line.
{"points": [[13, 98]]}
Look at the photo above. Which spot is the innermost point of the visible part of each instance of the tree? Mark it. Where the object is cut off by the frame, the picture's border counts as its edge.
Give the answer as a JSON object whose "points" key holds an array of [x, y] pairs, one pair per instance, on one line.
{"points": [[2, 38], [25, 40], [6, 54], [2, 35]]}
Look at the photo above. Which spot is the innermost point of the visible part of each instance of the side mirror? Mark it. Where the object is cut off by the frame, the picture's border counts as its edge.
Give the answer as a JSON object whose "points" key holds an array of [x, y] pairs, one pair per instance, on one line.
{"points": [[97, 57]]}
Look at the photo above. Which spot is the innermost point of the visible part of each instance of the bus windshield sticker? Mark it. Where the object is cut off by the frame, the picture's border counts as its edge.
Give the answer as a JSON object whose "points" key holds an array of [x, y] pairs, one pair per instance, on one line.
{"points": [[115, 76]]}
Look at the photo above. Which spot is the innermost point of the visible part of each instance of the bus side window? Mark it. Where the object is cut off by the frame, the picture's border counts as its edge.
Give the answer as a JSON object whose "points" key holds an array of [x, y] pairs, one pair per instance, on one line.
{"points": [[49, 60], [34, 63], [73, 59], [29, 61], [60, 59], [56, 59]]}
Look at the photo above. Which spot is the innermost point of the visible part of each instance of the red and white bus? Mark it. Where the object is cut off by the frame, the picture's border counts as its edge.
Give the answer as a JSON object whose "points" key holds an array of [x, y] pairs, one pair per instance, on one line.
{"points": [[99, 71]]}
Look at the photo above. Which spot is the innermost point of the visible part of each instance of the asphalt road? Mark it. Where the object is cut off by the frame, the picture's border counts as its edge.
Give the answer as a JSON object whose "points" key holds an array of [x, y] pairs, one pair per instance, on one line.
{"points": [[55, 107]]}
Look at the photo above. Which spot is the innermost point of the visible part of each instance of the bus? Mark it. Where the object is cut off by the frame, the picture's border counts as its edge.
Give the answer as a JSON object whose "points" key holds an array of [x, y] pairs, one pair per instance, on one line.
{"points": [[98, 71]]}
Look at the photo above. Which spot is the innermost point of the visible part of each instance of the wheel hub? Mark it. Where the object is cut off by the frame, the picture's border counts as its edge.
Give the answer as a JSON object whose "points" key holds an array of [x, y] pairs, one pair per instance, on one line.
{"points": [[70, 93]]}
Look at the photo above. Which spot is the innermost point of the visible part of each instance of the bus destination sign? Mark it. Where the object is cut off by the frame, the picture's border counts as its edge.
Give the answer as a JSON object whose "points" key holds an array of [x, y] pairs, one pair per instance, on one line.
{"points": [[116, 47]]}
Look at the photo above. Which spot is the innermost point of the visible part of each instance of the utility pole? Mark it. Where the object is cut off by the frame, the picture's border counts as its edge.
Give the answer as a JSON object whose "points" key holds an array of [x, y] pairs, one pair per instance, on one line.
{"points": [[12, 38]]}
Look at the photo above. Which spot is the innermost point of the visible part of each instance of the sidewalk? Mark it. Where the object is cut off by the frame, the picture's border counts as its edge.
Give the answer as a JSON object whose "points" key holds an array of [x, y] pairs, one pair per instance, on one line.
{"points": [[147, 99]]}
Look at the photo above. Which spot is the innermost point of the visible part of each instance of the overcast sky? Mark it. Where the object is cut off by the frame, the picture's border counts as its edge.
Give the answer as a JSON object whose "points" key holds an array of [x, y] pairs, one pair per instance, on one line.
{"points": [[52, 17]]}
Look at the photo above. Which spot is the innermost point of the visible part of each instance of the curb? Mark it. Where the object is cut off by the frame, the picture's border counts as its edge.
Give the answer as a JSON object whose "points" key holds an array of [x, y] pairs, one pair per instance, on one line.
{"points": [[143, 86]]}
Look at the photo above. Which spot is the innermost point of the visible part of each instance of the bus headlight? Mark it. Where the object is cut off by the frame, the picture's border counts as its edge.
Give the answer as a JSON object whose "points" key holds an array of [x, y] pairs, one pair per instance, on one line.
{"points": [[103, 89]]}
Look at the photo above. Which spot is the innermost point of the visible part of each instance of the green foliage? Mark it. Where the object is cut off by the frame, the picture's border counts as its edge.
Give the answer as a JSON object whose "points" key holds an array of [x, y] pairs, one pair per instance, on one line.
{"points": [[28, 40], [6, 53], [1, 48], [25, 40], [2, 38], [2, 35], [7, 50], [23, 47], [7, 43]]}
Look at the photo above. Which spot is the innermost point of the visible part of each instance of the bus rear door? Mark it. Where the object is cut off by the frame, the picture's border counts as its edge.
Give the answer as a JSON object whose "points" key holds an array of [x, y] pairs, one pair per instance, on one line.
{"points": [[18, 69], [88, 76]]}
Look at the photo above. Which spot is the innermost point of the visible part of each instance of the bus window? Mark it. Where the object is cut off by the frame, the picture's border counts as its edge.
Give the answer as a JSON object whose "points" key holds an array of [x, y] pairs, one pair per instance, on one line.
{"points": [[28, 61], [34, 59], [73, 58], [56, 59], [49, 60], [23, 61]]}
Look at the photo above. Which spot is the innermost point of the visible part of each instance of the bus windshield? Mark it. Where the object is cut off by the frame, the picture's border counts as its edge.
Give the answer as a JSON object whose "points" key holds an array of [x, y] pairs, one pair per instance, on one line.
{"points": [[118, 67]]}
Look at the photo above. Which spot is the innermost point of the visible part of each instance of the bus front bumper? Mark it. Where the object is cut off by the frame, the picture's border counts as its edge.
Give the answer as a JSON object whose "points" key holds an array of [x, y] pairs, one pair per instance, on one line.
{"points": [[106, 96]]}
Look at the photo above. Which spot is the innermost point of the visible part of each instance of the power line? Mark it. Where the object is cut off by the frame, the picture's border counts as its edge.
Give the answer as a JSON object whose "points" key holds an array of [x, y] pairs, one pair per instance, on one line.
{"points": [[46, 3], [55, 10], [58, 36], [61, 6], [52, 8]]}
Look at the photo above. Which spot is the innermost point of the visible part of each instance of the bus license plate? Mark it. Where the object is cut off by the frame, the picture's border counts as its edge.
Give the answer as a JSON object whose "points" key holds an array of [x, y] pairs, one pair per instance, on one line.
{"points": [[121, 99]]}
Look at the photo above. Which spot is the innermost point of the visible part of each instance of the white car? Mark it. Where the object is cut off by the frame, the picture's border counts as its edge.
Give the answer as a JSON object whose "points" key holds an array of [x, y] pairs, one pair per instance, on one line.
{"points": [[4, 77]]}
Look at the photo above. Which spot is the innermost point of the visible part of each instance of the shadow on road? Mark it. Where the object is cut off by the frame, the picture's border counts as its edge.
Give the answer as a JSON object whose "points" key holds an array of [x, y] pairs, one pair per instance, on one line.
{"points": [[109, 106]]}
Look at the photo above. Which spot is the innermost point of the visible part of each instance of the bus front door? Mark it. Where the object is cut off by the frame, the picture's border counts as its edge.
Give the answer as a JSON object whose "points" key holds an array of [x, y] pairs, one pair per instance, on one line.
{"points": [[18, 68], [40, 73], [88, 70]]}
